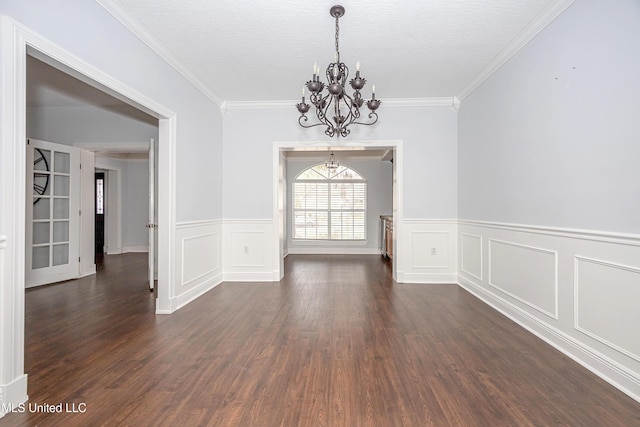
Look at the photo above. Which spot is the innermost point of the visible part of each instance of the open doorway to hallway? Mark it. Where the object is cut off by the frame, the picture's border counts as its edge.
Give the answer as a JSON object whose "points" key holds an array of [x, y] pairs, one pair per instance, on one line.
{"points": [[65, 109], [287, 161], [99, 216]]}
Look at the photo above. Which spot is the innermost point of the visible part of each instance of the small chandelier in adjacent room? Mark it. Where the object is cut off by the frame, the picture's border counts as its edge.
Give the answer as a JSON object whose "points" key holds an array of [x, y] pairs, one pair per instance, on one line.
{"points": [[336, 109], [332, 164]]}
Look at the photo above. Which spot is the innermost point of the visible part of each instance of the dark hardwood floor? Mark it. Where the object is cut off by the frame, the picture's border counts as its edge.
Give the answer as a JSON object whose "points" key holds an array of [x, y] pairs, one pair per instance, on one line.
{"points": [[336, 343]]}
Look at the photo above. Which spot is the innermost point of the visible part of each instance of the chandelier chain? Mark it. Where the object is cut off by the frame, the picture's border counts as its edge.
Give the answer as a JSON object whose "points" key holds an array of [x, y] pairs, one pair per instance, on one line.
{"points": [[337, 40]]}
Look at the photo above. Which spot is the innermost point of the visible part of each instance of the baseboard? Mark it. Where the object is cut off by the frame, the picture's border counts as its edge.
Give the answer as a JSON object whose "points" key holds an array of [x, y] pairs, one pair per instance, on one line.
{"points": [[13, 394], [113, 251], [127, 249], [165, 310], [572, 348], [140, 248], [426, 278], [184, 299], [249, 276], [91, 272], [321, 250]]}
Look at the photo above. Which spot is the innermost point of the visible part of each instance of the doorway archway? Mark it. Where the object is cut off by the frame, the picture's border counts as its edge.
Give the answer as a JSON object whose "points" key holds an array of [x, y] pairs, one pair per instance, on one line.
{"points": [[17, 43], [279, 191]]}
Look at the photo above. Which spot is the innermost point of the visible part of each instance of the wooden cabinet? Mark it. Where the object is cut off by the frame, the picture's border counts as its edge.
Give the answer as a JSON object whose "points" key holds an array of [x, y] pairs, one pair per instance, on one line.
{"points": [[386, 236], [389, 238]]}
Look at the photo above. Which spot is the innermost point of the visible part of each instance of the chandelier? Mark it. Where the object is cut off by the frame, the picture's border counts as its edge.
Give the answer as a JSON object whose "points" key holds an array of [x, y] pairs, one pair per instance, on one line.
{"points": [[332, 164], [334, 108]]}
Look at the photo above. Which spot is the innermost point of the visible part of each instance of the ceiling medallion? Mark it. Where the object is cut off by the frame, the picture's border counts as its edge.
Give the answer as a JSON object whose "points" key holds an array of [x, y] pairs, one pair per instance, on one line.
{"points": [[336, 109]]}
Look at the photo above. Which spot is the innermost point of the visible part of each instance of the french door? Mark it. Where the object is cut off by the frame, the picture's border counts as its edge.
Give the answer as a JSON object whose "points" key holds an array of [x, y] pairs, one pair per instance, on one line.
{"points": [[52, 213]]}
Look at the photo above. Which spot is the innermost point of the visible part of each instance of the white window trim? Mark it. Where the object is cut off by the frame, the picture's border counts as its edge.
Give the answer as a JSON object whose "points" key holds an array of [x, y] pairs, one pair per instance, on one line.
{"points": [[329, 181]]}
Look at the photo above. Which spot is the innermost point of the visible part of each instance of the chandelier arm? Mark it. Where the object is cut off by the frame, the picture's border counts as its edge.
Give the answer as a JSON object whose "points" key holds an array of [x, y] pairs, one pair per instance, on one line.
{"points": [[354, 110], [337, 116], [327, 106], [370, 115], [304, 125]]}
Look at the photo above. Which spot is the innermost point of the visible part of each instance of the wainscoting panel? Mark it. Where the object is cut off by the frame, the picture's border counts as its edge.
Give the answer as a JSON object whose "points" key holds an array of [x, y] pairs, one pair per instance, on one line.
{"points": [[437, 250], [199, 255], [607, 302], [577, 290], [471, 255], [248, 252], [247, 249], [427, 251], [525, 273], [3, 246], [197, 259]]}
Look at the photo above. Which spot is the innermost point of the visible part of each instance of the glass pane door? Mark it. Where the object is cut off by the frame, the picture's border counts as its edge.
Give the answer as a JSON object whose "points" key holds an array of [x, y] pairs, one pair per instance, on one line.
{"points": [[52, 214]]}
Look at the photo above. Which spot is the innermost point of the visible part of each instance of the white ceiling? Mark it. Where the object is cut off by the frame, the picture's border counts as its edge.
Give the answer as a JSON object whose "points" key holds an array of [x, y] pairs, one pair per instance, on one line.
{"points": [[264, 50]]}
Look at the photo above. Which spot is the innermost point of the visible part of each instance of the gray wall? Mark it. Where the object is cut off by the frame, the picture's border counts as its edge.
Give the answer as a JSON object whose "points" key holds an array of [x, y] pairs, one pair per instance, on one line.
{"points": [[97, 38], [429, 145], [378, 175], [134, 187], [135, 203], [552, 138], [69, 125]]}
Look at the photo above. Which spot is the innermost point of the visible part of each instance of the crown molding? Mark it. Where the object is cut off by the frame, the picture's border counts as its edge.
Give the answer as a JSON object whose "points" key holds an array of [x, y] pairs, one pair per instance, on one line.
{"points": [[548, 15], [393, 102], [135, 26], [444, 101], [259, 105]]}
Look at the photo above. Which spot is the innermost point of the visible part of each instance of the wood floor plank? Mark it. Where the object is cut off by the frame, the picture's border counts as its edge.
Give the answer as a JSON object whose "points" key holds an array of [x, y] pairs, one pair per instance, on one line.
{"points": [[335, 343]]}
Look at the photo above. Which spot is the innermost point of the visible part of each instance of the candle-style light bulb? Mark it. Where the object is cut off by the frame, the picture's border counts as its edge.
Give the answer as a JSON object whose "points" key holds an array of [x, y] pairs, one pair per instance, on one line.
{"points": [[358, 66], [373, 92], [315, 73]]}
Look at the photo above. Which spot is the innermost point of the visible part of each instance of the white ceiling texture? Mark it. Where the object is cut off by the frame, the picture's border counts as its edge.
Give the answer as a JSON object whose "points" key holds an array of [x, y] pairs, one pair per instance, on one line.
{"points": [[264, 51]]}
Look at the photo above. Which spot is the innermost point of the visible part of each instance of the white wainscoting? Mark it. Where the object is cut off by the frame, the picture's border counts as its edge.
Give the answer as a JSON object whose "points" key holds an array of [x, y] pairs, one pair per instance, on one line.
{"points": [[331, 250], [3, 246], [525, 273], [471, 255], [199, 255], [13, 391], [248, 254], [427, 251], [578, 291], [607, 301]]}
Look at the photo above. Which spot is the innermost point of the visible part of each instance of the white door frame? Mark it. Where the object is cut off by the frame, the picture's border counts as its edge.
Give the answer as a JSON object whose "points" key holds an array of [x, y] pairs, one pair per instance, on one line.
{"points": [[151, 225], [279, 212], [113, 212], [16, 41]]}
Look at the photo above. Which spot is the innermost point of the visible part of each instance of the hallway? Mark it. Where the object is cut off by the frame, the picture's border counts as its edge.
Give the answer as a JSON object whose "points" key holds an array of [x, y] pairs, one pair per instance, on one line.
{"points": [[335, 343]]}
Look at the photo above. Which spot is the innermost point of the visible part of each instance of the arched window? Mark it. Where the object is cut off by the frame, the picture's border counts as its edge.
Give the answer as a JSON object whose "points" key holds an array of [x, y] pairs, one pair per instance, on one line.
{"points": [[329, 204]]}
